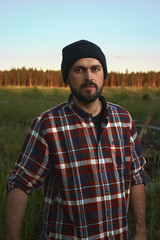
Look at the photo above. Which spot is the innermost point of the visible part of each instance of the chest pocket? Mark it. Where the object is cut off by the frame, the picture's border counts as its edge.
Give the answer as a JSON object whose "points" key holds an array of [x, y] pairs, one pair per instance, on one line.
{"points": [[117, 153]]}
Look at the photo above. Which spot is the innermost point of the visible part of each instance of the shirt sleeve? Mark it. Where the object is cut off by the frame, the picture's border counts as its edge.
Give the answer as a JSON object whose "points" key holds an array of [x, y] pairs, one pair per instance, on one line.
{"points": [[138, 161], [32, 165]]}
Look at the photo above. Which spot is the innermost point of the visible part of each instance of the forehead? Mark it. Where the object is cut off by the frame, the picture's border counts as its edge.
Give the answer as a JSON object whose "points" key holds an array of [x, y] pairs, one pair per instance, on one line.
{"points": [[87, 62]]}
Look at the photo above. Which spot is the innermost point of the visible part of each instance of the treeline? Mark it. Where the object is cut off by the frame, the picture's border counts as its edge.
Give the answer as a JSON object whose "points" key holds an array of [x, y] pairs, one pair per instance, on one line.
{"points": [[50, 78]]}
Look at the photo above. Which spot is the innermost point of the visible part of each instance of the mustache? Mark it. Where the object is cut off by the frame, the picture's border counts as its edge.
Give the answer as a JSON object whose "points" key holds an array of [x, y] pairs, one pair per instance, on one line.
{"points": [[89, 83]]}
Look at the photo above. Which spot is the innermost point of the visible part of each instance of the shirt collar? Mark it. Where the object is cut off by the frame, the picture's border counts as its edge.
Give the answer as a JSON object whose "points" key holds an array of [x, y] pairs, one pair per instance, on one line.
{"points": [[81, 113]]}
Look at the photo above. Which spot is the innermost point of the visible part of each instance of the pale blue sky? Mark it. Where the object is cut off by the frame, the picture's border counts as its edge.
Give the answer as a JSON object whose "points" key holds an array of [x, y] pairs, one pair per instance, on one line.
{"points": [[33, 32]]}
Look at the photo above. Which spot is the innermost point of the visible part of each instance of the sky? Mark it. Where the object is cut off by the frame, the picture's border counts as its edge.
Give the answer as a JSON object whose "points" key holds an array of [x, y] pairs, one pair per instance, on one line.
{"points": [[34, 32]]}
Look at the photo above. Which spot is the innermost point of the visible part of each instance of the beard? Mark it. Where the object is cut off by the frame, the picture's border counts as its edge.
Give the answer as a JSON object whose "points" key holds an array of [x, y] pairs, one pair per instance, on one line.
{"points": [[87, 96]]}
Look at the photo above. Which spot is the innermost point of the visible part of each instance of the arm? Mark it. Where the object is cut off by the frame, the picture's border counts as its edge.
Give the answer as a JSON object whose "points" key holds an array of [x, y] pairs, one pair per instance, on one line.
{"points": [[138, 211], [16, 205]]}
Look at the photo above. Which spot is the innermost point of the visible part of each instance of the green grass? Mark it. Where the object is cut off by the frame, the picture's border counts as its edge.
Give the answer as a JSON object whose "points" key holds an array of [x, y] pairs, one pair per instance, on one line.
{"points": [[138, 102], [19, 106], [153, 209]]}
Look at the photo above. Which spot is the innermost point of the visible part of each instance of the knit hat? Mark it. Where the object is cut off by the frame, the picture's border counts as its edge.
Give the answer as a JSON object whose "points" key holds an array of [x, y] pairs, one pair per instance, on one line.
{"points": [[78, 50]]}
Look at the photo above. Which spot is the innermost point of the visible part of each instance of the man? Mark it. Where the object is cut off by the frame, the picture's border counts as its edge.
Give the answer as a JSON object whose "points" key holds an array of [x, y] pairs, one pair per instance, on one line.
{"points": [[87, 156]]}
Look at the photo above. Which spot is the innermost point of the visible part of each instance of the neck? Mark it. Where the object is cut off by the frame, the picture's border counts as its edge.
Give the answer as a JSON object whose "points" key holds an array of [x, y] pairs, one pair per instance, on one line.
{"points": [[93, 108]]}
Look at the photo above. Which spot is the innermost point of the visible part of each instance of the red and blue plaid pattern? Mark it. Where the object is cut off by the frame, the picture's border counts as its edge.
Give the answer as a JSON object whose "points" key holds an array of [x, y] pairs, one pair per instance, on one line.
{"points": [[86, 182]]}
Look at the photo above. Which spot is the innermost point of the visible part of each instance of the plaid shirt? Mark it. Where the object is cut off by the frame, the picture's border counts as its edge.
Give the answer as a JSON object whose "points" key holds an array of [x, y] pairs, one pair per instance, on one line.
{"points": [[86, 182]]}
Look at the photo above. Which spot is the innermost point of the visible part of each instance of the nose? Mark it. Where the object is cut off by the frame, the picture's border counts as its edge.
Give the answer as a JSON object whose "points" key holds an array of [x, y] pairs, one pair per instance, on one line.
{"points": [[88, 75]]}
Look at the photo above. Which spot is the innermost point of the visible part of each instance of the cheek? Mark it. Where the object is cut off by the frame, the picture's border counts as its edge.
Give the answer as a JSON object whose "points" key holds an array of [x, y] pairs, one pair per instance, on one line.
{"points": [[75, 80], [101, 81]]}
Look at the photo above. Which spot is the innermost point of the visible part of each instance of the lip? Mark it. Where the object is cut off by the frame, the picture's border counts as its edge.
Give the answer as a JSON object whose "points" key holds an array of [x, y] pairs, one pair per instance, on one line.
{"points": [[89, 86]]}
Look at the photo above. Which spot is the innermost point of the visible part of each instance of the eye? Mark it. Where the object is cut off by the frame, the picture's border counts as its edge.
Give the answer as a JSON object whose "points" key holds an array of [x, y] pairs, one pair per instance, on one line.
{"points": [[79, 69], [96, 68]]}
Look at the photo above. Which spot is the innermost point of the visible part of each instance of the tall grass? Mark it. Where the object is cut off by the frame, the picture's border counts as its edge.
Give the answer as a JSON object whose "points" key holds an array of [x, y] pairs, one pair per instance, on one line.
{"points": [[138, 102], [18, 107]]}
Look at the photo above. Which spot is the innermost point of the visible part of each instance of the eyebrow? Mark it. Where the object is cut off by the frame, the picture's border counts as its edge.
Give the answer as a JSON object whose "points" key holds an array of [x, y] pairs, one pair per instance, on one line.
{"points": [[83, 67]]}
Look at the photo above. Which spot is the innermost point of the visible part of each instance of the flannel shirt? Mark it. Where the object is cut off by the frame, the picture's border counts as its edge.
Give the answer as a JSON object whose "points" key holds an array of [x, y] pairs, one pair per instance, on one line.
{"points": [[86, 182]]}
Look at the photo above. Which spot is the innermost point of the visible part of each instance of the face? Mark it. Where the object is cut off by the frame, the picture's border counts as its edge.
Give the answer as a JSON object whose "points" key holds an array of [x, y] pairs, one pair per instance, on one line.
{"points": [[86, 80]]}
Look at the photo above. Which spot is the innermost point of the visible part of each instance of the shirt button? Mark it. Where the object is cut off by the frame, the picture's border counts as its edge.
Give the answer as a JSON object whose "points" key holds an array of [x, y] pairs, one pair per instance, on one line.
{"points": [[110, 234], [102, 169]]}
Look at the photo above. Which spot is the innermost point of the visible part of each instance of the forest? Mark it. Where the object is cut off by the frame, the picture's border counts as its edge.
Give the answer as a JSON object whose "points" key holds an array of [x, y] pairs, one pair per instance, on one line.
{"points": [[50, 78]]}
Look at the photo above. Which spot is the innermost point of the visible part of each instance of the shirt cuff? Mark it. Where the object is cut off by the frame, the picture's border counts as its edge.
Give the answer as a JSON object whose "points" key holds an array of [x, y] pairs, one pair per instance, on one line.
{"points": [[139, 178]]}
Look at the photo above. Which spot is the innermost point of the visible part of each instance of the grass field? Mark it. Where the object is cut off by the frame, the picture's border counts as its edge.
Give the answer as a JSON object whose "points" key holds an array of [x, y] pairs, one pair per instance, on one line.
{"points": [[18, 107]]}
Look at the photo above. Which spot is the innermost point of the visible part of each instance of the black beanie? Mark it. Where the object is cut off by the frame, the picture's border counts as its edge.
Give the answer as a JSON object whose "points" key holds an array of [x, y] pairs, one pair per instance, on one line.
{"points": [[78, 50]]}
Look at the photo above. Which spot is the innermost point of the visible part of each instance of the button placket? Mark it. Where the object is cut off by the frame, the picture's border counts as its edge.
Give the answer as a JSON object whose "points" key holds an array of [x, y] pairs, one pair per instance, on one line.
{"points": [[106, 193]]}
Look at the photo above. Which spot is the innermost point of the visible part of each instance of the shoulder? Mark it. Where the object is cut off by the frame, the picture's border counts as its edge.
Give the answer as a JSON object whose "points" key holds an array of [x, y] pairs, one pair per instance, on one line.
{"points": [[118, 113], [116, 108], [52, 113]]}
